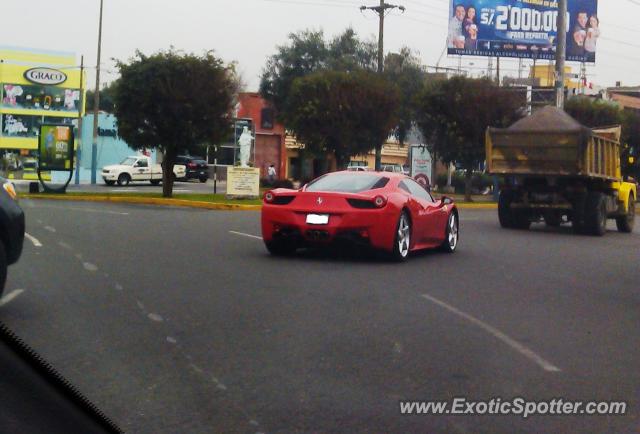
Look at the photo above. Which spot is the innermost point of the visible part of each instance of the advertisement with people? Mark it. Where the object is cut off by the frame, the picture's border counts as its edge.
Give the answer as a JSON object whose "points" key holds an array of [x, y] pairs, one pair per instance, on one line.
{"points": [[522, 28], [421, 165], [55, 147]]}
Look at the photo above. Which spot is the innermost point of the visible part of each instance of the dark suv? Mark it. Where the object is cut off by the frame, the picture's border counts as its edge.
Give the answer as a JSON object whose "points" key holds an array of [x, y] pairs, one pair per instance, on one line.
{"points": [[197, 168], [11, 229]]}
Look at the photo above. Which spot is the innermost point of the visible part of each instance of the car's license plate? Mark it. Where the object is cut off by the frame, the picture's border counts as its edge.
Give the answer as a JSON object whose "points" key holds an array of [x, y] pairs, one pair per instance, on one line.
{"points": [[317, 219]]}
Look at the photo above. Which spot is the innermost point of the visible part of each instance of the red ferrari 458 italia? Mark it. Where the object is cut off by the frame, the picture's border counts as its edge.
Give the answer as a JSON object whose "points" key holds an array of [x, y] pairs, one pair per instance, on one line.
{"points": [[386, 211]]}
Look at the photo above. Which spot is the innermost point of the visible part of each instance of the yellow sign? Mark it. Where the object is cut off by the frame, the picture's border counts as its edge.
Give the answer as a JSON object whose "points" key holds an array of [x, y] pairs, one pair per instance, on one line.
{"points": [[243, 182], [632, 160]]}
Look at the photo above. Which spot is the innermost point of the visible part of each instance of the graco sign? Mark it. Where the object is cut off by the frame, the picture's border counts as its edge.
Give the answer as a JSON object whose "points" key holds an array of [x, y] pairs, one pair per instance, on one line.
{"points": [[45, 76]]}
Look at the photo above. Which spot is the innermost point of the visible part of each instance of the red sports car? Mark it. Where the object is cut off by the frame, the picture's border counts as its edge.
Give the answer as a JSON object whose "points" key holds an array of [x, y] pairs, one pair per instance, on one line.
{"points": [[386, 211]]}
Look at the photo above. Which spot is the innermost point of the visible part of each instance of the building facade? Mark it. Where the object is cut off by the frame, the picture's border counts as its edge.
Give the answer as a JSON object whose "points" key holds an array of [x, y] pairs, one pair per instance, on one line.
{"points": [[36, 87]]}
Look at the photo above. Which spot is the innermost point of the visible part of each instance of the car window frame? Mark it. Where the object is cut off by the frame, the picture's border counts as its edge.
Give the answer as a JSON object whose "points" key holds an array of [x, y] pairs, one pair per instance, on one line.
{"points": [[419, 189]]}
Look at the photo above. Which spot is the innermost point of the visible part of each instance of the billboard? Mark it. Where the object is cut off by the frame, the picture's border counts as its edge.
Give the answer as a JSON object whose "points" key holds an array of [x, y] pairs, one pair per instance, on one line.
{"points": [[55, 147], [522, 28], [421, 165]]}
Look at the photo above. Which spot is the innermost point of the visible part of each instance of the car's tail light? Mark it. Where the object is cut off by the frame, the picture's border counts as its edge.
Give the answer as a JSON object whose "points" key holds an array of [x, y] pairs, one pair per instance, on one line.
{"points": [[380, 201], [192, 165], [10, 189]]}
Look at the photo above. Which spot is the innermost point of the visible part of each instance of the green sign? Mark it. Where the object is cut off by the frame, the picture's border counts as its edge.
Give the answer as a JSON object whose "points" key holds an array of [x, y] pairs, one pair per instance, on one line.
{"points": [[55, 147]]}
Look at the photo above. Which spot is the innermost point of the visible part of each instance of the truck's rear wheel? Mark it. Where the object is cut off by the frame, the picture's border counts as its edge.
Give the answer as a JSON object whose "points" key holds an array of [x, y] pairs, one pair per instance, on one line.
{"points": [[521, 219], [504, 209], [625, 223], [124, 179], [595, 214]]}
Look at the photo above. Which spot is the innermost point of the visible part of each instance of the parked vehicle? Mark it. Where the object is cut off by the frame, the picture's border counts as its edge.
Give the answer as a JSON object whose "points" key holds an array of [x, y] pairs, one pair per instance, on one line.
{"points": [[385, 211], [558, 170], [196, 168], [11, 229], [395, 168], [136, 169]]}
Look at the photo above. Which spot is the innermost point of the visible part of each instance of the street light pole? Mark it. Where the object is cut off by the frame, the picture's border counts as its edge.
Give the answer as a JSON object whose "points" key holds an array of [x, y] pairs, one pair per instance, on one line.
{"points": [[79, 138], [380, 10], [561, 52], [96, 104]]}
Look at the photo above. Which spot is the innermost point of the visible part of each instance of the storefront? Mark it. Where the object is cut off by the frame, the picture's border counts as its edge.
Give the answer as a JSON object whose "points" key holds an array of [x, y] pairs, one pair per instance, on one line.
{"points": [[36, 87]]}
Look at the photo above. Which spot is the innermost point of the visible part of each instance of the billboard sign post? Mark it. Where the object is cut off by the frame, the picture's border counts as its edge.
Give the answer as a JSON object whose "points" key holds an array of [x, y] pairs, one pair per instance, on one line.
{"points": [[55, 152], [522, 29]]}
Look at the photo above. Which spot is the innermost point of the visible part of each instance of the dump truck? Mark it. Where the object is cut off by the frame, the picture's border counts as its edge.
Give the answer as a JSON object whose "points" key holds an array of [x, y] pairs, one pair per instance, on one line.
{"points": [[559, 171]]}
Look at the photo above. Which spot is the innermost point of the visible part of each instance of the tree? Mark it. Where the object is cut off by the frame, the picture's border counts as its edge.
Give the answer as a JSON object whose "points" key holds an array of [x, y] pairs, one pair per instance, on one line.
{"points": [[173, 101], [343, 113], [454, 114], [599, 113], [106, 98], [307, 52], [405, 70]]}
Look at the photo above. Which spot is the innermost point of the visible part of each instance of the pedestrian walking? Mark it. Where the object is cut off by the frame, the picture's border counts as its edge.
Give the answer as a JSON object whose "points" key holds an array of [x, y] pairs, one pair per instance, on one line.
{"points": [[271, 174]]}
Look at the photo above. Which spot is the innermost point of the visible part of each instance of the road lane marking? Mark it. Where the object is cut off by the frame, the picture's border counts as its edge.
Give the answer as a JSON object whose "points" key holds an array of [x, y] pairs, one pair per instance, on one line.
{"points": [[155, 317], [119, 287], [64, 245], [90, 210], [171, 340], [50, 229], [242, 234], [89, 266], [33, 240], [10, 296], [515, 345]]}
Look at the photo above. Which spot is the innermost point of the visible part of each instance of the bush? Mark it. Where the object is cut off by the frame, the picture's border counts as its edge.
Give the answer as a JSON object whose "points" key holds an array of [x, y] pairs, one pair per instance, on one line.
{"points": [[278, 183], [479, 182]]}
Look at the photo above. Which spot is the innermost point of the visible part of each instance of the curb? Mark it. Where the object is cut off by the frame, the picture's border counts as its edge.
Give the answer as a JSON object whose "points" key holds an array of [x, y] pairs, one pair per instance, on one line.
{"points": [[190, 203], [147, 201]]}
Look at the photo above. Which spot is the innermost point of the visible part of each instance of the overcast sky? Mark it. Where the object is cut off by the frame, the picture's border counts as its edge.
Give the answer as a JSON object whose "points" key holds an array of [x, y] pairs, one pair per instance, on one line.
{"points": [[247, 31]]}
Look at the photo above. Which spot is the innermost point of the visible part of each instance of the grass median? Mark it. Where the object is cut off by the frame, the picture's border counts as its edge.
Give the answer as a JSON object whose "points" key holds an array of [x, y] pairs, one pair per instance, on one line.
{"points": [[210, 201]]}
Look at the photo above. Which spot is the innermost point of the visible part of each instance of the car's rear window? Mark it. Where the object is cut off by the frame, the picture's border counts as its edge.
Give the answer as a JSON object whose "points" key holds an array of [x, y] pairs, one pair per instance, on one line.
{"points": [[348, 182]]}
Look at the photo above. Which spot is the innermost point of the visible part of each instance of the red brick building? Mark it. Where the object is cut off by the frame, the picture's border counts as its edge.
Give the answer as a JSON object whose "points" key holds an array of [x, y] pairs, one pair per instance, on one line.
{"points": [[270, 135]]}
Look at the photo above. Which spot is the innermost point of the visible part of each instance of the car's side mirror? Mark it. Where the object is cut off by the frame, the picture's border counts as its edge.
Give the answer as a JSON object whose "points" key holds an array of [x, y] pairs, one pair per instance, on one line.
{"points": [[446, 200]]}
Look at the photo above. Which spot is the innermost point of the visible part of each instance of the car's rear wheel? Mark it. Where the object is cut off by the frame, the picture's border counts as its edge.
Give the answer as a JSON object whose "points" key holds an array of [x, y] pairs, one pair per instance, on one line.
{"points": [[124, 179], [452, 234], [280, 247], [203, 179], [403, 238], [625, 223], [155, 182], [553, 219]]}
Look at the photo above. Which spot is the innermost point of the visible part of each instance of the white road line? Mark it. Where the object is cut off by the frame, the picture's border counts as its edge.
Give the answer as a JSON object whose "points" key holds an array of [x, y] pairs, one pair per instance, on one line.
{"points": [[33, 240], [10, 296], [242, 234], [50, 229], [517, 346], [91, 210]]}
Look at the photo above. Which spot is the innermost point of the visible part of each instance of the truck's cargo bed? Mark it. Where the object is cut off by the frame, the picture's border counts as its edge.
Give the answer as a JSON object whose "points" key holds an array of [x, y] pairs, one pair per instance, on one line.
{"points": [[551, 143]]}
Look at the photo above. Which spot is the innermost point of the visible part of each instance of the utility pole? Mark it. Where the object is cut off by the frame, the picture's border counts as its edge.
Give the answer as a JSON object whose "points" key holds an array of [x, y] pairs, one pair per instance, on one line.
{"points": [[79, 137], [498, 70], [561, 52], [96, 104], [381, 10]]}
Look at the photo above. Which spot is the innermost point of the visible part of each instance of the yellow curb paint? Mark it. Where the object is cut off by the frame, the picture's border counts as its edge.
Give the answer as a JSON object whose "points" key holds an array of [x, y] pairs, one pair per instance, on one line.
{"points": [[147, 201]]}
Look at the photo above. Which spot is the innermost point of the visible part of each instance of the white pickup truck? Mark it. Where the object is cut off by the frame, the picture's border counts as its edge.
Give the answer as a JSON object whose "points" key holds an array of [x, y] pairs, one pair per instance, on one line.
{"points": [[138, 168]]}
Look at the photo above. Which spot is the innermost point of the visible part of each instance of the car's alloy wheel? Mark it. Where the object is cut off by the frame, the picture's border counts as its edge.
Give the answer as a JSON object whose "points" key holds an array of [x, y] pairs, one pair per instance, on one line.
{"points": [[403, 237], [453, 232]]}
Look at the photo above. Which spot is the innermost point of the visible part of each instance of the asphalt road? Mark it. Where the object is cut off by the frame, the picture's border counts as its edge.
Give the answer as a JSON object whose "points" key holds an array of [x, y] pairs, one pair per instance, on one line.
{"points": [[172, 323]]}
